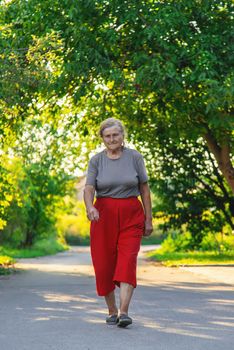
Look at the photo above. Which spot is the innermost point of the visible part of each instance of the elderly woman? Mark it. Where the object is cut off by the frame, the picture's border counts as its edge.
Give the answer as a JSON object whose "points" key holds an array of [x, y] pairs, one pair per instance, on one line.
{"points": [[118, 219]]}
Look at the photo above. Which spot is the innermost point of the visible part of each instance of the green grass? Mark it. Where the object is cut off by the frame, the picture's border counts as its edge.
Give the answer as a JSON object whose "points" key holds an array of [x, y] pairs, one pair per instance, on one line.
{"points": [[192, 258], [40, 248]]}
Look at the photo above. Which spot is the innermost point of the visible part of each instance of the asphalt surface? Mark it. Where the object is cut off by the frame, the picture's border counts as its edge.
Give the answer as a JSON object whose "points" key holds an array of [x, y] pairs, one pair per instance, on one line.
{"points": [[50, 303]]}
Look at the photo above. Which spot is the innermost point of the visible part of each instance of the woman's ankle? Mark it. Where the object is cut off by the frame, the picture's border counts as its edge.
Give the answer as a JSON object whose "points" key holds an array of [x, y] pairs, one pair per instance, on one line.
{"points": [[123, 313], [113, 311]]}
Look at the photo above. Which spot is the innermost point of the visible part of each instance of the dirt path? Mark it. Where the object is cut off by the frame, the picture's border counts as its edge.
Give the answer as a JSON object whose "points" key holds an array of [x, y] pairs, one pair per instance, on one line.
{"points": [[51, 303]]}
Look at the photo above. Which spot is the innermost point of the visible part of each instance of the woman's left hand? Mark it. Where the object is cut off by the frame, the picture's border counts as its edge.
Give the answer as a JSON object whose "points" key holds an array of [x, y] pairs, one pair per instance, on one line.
{"points": [[148, 228]]}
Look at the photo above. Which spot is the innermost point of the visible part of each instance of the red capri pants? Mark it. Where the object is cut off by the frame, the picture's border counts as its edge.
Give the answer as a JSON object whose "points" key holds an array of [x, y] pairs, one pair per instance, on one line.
{"points": [[115, 241]]}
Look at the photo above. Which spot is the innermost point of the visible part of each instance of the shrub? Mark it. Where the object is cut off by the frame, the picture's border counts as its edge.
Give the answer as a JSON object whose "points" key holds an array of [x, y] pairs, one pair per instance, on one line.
{"points": [[177, 242], [74, 227], [6, 264], [217, 242]]}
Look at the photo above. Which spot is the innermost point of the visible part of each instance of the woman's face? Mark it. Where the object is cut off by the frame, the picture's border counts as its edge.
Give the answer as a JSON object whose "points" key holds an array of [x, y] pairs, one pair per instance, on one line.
{"points": [[112, 138]]}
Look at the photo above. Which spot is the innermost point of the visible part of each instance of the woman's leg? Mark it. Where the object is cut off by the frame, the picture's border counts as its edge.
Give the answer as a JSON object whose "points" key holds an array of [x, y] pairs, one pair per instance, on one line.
{"points": [[111, 303], [130, 235], [103, 244], [126, 291]]}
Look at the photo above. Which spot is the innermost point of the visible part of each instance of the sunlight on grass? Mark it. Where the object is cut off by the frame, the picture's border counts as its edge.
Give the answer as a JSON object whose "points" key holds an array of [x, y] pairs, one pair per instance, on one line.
{"points": [[192, 258], [6, 264]]}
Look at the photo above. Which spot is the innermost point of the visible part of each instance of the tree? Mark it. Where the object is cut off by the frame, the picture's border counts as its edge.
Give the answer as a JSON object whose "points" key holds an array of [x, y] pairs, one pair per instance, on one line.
{"points": [[190, 192], [165, 68], [169, 61]]}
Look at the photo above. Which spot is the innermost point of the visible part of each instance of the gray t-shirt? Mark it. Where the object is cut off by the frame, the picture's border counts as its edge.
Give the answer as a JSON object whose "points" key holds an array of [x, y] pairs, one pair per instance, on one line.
{"points": [[117, 178]]}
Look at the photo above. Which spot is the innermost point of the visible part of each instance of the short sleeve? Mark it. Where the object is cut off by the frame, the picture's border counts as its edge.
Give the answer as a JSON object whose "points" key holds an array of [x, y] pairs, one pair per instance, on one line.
{"points": [[92, 173], [141, 170]]}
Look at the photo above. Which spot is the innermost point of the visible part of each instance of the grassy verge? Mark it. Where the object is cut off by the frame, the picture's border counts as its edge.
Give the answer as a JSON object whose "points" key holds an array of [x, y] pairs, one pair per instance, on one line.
{"points": [[192, 258], [40, 248]]}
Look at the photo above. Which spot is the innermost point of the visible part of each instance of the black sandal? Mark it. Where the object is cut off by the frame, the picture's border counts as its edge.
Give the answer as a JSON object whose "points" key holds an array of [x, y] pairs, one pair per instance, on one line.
{"points": [[112, 319], [124, 320]]}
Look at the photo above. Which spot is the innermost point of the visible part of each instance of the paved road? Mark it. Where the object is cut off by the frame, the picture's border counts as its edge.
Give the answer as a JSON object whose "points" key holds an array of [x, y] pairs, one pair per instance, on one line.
{"points": [[51, 304]]}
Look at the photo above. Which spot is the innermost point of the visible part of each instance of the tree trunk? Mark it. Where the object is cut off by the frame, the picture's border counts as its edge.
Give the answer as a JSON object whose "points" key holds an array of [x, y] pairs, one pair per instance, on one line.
{"points": [[222, 156], [29, 238]]}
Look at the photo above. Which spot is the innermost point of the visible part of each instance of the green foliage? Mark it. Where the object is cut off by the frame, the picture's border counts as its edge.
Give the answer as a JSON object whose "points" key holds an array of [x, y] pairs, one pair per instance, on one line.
{"points": [[6, 265], [164, 68], [190, 191], [28, 68], [74, 225], [6, 260], [177, 243], [10, 174], [33, 216], [172, 60], [217, 242], [48, 246], [184, 242]]}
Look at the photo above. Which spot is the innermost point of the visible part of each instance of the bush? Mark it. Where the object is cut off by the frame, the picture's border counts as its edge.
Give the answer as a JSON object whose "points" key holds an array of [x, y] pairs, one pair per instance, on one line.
{"points": [[74, 227], [183, 242], [50, 245], [6, 264], [16, 238], [176, 242], [217, 242]]}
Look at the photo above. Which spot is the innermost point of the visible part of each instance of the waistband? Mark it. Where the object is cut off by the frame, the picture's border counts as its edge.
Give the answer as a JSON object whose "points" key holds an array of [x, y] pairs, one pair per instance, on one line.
{"points": [[116, 199]]}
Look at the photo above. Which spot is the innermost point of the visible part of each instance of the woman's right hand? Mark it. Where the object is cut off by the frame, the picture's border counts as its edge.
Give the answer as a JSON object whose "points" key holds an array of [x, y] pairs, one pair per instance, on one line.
{"points": [[93, 214]]}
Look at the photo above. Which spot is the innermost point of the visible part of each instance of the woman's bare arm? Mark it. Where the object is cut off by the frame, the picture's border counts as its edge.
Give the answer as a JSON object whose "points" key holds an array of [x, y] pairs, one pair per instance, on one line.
{"points": [[92, 212], [146, 200]]}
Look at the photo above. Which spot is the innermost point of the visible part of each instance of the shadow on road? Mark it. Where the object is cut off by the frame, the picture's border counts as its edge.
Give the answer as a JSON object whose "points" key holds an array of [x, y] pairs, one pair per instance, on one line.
{"points": [[52, 304]]}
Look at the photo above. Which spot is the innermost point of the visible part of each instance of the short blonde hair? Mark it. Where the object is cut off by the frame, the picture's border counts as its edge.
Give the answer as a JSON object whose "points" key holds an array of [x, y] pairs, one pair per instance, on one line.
{"points": [[110, 122]]}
